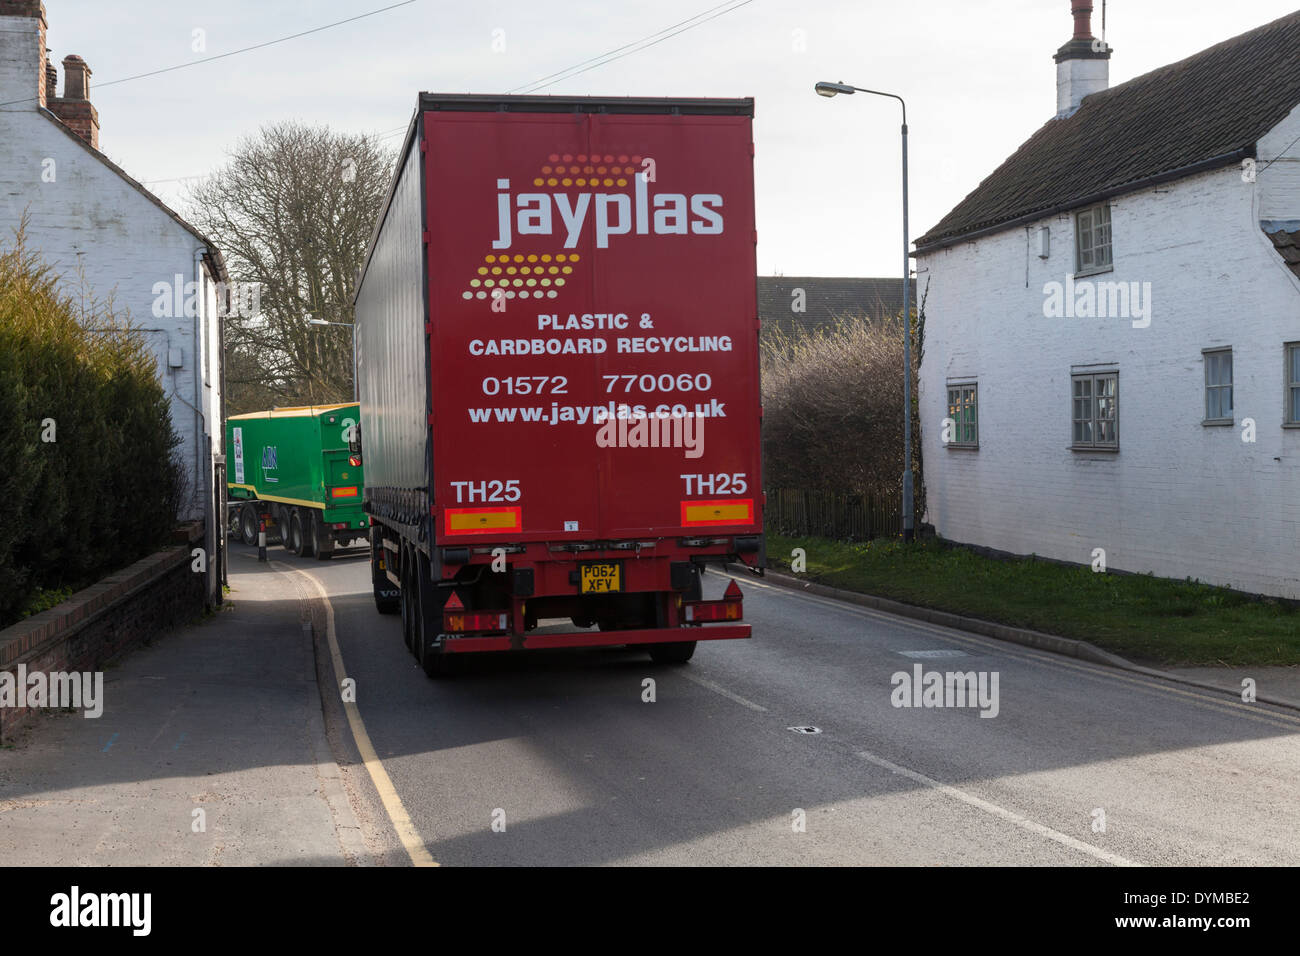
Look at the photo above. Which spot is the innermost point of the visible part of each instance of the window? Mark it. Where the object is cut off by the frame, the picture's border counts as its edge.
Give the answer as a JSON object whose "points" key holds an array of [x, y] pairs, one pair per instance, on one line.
{"points": [[1218, 386], [1292, 399], [1095, 410], [1092, 239], [963, 409]]}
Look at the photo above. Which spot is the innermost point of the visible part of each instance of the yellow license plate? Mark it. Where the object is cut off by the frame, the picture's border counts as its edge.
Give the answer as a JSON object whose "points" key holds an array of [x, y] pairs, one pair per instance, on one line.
{"points": [[601, 578]]}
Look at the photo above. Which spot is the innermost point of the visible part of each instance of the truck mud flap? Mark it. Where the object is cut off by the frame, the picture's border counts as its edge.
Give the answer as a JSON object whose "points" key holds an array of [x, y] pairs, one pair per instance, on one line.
{"points": [[660, 635]]}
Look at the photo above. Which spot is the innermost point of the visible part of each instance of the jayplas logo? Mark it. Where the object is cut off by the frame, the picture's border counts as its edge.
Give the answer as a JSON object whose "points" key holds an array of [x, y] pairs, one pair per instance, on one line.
{"points": [[612, 195]]}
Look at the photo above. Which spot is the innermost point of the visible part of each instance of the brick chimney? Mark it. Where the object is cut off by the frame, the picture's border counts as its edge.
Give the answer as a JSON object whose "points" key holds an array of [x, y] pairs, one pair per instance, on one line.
{"points": [[1082, 65], [22, 54], [74, 107]]}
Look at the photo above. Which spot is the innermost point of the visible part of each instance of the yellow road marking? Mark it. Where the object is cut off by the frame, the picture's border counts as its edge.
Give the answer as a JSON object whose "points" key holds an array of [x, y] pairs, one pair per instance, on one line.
{"points": [[393, 805]]}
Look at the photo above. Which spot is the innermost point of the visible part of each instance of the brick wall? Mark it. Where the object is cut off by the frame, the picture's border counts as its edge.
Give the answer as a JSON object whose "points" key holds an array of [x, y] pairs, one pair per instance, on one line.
{"points": [[104, 621]]}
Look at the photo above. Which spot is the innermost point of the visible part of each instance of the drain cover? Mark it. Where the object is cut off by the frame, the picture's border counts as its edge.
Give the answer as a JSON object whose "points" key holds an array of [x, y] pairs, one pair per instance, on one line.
{"points": [[805, 730]]}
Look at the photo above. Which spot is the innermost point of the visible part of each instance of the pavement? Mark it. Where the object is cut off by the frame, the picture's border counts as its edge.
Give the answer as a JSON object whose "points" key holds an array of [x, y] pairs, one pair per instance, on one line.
{"points": [[211, 751]]}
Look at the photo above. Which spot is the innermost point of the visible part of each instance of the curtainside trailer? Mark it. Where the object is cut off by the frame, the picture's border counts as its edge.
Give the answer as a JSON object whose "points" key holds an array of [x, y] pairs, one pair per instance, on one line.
{"points": [[292, 473], [557, 348]]}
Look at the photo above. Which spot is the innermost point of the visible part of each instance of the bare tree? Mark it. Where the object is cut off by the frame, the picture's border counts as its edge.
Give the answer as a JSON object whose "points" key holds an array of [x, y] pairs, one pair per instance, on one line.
{"points": [[292, 210]]}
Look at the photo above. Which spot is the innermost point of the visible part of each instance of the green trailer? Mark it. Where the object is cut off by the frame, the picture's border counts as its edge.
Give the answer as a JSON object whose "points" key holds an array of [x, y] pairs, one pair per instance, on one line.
{"points": [[290, 473]]}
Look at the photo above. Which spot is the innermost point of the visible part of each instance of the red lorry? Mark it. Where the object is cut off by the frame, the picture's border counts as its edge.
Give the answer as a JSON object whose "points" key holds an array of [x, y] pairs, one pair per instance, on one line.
{"points": [[557, 352]]}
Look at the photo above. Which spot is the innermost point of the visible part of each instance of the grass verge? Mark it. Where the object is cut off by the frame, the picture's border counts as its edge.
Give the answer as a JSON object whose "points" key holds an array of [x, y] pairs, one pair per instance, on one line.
{"points": [[1141, 617]]}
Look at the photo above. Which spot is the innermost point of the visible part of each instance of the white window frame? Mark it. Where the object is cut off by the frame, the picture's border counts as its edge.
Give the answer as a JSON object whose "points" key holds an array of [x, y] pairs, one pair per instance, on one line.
{"points": [[1088, 223], [1206, 355], [1092, 378]]}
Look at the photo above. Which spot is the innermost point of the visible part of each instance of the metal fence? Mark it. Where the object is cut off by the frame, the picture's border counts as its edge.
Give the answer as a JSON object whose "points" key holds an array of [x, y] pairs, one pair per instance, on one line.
{"points": [[828, 514]]}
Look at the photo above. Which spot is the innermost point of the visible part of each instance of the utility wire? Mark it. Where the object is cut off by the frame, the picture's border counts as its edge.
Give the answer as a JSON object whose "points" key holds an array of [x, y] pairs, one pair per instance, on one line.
{"points": [[611, 54], [247, 49]]}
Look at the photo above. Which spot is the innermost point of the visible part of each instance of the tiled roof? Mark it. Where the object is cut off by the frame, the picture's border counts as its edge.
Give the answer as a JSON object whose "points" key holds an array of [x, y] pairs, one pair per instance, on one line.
{"points": [[1205, 111], [826, 299], [1286, 240]]}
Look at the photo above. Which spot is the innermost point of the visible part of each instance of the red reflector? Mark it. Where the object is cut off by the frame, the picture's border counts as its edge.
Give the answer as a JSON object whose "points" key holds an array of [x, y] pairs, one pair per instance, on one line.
{"points": [[463, 621], [454, 603], [733, 591], [348, 492], [354, 461]]}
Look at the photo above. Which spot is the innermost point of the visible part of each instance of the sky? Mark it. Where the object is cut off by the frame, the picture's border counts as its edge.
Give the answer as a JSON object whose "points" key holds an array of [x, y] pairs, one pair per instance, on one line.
{"points": [[978, 79]]}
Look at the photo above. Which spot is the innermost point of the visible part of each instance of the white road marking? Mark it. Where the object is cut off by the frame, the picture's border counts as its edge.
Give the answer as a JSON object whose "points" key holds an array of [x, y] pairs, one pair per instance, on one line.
{"points": [[719, 689], [1001, 812]]}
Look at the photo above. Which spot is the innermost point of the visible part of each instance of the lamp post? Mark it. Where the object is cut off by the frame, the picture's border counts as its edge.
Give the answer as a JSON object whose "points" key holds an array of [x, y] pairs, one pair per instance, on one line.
{"points": [[833, 89], [356, 394]]}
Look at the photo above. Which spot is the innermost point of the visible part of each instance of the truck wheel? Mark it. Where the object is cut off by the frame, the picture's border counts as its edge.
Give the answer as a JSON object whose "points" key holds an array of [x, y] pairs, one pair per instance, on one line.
{"points": [[388, 599], [676, 653], [284, 522], [428, 617], [301, 542], [323, 537], [248, 524]]}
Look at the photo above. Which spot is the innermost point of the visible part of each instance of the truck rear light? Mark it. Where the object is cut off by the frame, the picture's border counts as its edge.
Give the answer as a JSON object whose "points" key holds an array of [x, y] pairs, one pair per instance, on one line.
{"points": [[349, 492], [724, 511], [457, 620], [730, 608]]}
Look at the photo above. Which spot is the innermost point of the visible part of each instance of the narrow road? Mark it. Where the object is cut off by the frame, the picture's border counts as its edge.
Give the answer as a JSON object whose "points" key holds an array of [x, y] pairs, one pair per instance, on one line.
{"points": [[562, 752]]}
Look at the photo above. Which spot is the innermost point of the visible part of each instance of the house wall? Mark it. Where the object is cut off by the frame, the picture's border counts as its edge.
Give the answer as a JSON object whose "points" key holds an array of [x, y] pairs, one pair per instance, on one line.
{"points": [[1179, 498]]}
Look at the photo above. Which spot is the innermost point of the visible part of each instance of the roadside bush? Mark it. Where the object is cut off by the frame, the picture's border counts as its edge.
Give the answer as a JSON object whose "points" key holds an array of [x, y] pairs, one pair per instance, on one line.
{"points": [[88, 477], [833, 408]]}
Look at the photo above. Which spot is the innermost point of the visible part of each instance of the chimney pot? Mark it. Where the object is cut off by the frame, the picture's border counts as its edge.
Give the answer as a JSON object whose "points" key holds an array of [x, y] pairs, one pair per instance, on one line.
{"points": [[1082, 10], [76, 78]]}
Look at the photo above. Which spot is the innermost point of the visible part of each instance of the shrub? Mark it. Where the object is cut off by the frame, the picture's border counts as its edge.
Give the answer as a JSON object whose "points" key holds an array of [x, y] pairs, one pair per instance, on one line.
{"points": [[105, 491]]}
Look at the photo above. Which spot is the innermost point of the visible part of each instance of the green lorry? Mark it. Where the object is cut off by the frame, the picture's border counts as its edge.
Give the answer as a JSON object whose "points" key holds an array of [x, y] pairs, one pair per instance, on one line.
{"points": [[290, 473]]}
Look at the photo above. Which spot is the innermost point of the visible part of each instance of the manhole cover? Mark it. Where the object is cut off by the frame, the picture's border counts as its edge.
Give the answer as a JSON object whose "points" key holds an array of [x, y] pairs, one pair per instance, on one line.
{"points": [[805, 730]]}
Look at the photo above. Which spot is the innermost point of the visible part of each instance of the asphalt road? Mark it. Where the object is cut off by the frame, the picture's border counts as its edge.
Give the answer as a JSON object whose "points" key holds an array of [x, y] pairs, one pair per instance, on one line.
{"points": [[560, 750]]}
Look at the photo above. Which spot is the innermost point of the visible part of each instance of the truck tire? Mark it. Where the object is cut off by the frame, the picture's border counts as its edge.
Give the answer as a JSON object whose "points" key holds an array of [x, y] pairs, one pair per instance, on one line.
{"points": [[388, 599], [249, 525], [678, 652], [428, 620], [300, 535], [322, 537]]}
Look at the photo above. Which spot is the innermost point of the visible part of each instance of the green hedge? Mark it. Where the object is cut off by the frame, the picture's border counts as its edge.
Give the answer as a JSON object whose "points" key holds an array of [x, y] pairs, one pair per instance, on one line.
{"points": [[105, 491]]}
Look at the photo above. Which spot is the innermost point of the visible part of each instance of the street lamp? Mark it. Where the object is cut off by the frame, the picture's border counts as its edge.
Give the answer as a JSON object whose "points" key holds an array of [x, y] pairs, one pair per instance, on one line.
{"points": [[350, 325], [833, 89]]}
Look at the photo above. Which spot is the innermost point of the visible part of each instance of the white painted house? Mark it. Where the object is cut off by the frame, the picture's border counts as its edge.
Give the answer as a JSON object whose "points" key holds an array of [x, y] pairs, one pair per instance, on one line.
{"points": [[1113, 324], [92, 222]]}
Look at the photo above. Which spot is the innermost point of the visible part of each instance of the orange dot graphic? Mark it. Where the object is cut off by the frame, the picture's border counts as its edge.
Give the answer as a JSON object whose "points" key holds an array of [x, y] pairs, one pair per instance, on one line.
{"points": [[519, 258], [582, 182], [622, 182], [608, 182], [567, 157], [553, 157], [623, 158], [537, 182], [566, 181], [566, 270], [482, 270], [546, 257], [601, 170], [553, 270], [588, 169], [573, 257], [532, 258], [560, 257], [496, 270], [546, 169], [582, 157], [636, 159], [551, 181], [489, 258]]}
